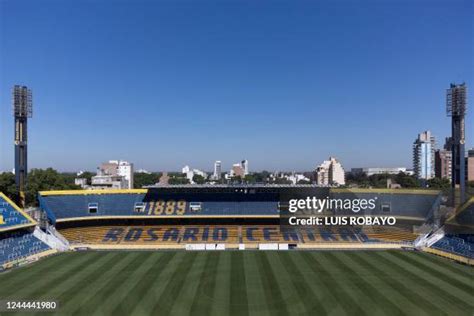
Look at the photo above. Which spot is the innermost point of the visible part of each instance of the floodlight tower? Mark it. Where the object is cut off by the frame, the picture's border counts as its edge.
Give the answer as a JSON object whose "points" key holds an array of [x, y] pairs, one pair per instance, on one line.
{"points": [[22, 110], [456, 107]]}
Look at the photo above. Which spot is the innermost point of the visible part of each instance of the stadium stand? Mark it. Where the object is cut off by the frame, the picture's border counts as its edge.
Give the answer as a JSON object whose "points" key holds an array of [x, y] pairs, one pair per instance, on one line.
{"points": [[17, 237], [152, 234], [90, 205], [217, 202], [11, 217], [394, 234], [179, 215], [19, 244], [228, 234], [62, 207], [462, 245], [459, 232]]}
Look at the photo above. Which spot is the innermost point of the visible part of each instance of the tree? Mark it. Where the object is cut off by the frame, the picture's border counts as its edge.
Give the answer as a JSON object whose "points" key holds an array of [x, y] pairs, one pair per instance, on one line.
{"points": [[439, 183], [380, 180], [250, 178], [282, 181], [407, 181], [45, 180], [302, 181], [236, 180], [178, 180], [261, 177], [199, 179], [7, 185], [359, 179], [142, 179]]}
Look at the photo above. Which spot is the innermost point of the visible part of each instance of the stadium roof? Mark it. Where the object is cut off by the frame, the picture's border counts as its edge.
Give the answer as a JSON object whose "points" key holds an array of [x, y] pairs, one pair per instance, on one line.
{"points": [[239, 186]]}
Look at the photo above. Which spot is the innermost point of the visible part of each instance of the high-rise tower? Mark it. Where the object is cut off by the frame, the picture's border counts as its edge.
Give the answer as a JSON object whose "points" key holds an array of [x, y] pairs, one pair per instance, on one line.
{"points": [[217, 170], [22, 110], [456, 106], [424, 156]]}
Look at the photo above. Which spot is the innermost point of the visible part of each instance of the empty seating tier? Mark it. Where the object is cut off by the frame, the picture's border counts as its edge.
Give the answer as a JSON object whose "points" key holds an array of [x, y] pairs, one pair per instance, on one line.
{"points": [[462, 245], [229, 234], [10, 214], [209, 201], [19, 244]]}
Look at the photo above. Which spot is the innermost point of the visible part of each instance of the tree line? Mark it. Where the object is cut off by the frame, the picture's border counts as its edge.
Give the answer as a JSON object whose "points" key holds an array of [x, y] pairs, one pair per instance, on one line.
{"points": [[362, 180], [38, 180]]}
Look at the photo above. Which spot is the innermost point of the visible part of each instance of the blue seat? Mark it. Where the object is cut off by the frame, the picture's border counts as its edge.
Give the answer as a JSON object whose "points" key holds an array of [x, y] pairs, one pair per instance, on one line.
{"points": [[9, 215], [457, 244], [15, 245]]}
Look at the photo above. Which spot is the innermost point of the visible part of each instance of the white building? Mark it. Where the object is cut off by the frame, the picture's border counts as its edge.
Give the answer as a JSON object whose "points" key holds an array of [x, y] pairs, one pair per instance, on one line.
{"points": [[125, 169], [371, 171], [424, 156], [108, 182], [143, 171], [296, 177], [330, 173], [245, 166], [190, 173], [217, 170], [115, 174], [82, 182]]}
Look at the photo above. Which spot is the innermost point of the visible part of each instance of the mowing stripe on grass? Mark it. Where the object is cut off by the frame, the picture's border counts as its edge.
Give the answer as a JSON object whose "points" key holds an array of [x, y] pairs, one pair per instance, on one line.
{"points": [[115, 282], [129, 280], [31, 270], [46, 285], [344, 295], [134, 294], [460, 296], [87, 303], [67, 290], [157, 283], [165, 302], [448, 263], [255, 291], [273, 292], [217, 283], [308, 298], [322, 284], [238, 287], [379, 301], [221, 294], [379, 283], [24, 275], [462, 283], [189, 291], [203, 298], [291, 299], [433, 293], [427, 284], [392, 279]]}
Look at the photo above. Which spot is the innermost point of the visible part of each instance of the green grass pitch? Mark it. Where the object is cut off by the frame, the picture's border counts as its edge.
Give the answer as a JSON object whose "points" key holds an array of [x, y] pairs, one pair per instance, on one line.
{"points": [[246, 283]]}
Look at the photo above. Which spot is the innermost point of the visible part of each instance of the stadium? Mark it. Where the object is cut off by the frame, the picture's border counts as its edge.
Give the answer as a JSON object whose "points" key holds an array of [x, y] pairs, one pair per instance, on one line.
{"points": [[223, 249]]}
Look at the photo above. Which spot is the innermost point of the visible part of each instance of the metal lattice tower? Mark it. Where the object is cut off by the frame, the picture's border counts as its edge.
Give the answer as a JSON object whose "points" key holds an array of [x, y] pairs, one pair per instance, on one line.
{"points": [[456, 107], [22, 110]]}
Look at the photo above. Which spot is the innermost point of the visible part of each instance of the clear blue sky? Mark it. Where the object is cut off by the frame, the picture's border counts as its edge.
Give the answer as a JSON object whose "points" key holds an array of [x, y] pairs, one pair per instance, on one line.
{"points": [[284, 84]]}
